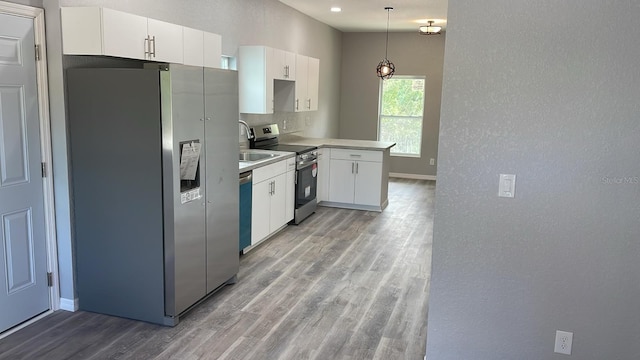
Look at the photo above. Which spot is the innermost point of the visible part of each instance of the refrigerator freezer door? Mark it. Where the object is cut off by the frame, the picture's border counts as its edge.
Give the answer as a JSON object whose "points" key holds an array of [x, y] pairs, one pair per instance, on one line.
{"points": [[114, 126]]}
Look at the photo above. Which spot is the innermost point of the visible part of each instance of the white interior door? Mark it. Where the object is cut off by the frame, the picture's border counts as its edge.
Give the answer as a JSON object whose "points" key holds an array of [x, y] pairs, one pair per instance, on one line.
{"points": [[23, 261]]}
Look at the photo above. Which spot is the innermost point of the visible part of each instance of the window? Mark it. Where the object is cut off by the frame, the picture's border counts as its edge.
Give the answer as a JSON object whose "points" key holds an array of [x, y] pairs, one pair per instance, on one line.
{"points": [[400, 115], [228, 62]]}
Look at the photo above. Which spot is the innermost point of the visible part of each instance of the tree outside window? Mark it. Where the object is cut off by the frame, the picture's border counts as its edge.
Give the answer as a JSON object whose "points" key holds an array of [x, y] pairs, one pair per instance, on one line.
{"points": [[401, 111]]}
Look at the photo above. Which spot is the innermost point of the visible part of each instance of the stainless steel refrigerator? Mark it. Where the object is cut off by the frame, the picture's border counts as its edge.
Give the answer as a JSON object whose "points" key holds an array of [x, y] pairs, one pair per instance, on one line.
{"points": [[155, 187]]}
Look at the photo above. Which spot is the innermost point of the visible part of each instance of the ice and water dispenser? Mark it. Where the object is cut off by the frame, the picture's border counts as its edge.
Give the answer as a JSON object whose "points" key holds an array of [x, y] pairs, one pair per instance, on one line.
{"points": [[190, 171]]}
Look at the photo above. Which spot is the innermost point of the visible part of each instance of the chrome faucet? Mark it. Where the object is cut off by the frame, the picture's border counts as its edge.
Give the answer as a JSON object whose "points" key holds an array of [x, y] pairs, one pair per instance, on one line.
{"points": [[247, 129]]}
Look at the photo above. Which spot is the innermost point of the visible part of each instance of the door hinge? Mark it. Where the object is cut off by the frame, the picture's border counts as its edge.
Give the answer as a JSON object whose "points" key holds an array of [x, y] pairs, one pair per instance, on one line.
{"points": [[44, 169], [49, 279], [37, 52]]}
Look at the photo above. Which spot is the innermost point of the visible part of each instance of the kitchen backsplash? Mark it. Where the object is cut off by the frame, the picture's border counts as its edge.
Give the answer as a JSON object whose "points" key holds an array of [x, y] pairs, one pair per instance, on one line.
{"points": [[287, 122]]}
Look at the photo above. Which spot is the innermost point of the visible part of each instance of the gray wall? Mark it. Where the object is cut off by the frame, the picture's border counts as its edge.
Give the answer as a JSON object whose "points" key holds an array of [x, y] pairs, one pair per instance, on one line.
{"points": [[412, 54], [240, 22], [547, 90]]}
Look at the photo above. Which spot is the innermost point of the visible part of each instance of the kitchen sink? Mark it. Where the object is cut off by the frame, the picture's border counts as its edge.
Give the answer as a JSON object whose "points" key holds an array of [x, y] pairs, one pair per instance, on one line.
{"points": [[255, 156]]}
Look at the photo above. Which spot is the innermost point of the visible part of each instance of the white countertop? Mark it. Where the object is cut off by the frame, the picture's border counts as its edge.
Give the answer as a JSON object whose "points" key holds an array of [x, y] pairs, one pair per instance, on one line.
{"points": [[319, 142], [336, 143]]}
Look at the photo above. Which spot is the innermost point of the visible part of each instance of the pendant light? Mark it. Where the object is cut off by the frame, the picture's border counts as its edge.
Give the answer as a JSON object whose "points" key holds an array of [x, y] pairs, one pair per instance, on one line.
{"points": [[385, 68]]}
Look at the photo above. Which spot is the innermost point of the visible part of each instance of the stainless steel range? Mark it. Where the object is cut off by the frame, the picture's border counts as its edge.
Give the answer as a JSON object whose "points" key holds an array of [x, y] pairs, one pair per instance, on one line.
{"points": [[266, 137]]}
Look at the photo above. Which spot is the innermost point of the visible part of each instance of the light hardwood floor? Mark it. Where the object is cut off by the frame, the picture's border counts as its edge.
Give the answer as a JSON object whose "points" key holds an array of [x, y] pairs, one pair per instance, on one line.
{"points": [[344, 284]]}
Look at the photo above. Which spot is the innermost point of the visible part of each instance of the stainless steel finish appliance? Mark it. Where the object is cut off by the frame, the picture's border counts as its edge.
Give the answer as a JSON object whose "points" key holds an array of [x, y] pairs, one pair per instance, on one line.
{"points": [[267, 137], [154, 165]]}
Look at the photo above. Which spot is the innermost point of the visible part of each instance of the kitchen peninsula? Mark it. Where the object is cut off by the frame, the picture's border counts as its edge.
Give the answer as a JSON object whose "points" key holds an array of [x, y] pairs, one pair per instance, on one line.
{"points": [[352, 174]]}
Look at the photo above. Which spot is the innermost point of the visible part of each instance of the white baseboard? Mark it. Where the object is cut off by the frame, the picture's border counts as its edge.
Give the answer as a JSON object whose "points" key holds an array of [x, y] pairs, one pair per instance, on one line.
{"points": [[412, 176], [69, 304]]}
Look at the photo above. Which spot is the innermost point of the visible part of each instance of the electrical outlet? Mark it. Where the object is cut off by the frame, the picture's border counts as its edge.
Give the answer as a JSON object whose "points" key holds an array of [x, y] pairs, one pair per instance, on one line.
{"points": [[284, 124], [564, 340], [432, 161]]}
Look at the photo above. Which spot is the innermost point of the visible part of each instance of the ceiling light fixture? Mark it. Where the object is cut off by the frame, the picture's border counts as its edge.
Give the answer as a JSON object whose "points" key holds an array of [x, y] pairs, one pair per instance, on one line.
{"points": [[336, 9], [385, 68], [430, 29]]}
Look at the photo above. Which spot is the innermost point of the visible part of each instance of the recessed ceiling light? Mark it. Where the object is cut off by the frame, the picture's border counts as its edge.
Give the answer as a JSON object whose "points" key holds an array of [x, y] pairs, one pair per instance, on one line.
{"points": [[336, 9]]}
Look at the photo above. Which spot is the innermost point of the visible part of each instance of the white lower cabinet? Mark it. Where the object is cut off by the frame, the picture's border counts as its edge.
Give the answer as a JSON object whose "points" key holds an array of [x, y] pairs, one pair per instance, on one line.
{"points": [[356, 177], [269, 200]]}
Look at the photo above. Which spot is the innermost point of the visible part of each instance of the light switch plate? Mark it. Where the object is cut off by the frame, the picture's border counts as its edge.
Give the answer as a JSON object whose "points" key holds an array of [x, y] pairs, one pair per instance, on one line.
{"points": [[507, 185]]}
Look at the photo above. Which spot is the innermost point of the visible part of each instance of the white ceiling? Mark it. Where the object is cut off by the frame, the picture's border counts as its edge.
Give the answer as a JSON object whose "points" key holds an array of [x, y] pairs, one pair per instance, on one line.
{"points": [[370, 15]]}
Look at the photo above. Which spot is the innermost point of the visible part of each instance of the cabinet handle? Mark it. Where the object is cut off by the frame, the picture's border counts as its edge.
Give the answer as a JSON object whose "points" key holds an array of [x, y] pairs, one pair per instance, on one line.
{"points": [[356, 168], [153, 40], [274, 187], [147, 47], [297, 102], [309, 106], [352, 165]]}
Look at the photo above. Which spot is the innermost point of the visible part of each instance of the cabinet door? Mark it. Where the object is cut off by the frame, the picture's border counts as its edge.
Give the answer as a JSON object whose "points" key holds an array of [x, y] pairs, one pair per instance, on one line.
{"points": [[368, 182], [313, 82], [212, 50], [123, 34], [168, 43], [260, 210], [302, 65], [290, 62], [283, 66], [278, 203], [255, 79], [193, 46], [341, 181]]}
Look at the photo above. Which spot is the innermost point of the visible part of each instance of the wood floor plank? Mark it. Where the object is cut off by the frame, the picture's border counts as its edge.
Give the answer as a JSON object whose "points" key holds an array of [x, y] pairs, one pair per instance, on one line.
{"points": [[344, 284]]}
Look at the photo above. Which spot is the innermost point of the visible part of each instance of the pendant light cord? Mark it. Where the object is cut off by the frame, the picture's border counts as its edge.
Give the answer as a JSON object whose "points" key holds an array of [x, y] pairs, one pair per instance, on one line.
{"points": [[386, 46]]}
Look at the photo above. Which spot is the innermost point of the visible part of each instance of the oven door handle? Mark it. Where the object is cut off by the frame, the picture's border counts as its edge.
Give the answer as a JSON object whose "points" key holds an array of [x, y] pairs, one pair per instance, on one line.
{"points": [[305, 164]]}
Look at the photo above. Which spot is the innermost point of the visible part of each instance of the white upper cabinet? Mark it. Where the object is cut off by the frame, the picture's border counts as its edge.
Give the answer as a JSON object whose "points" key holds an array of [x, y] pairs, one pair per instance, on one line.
{"points": [[193, 46], [123, 35], [283, 66], [307, 81], [212, 50], [261, 70], [202, 48], [255, 79], [302, 67], [102, 31], [313, 84], [166, 43]]}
